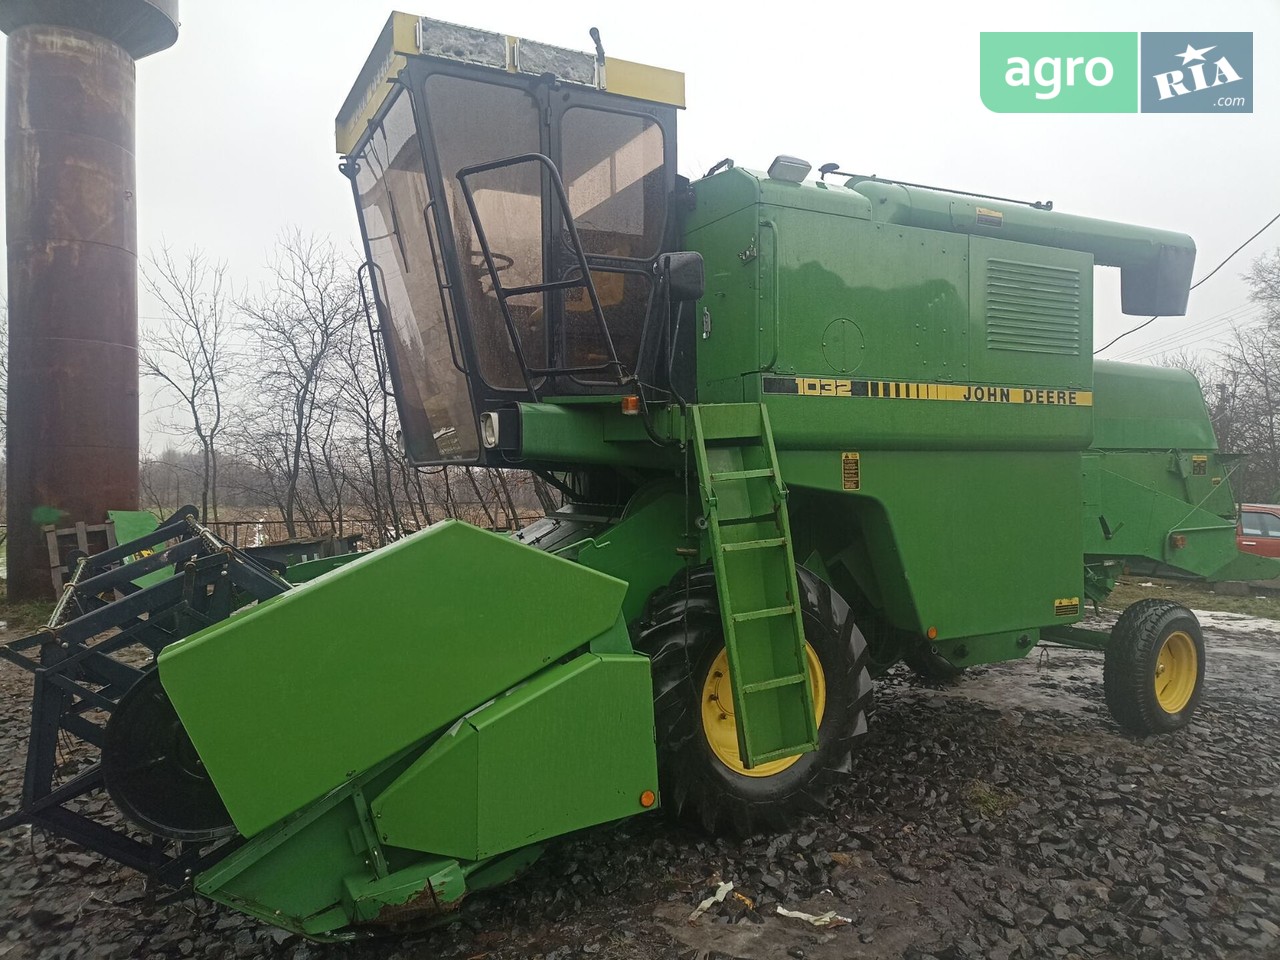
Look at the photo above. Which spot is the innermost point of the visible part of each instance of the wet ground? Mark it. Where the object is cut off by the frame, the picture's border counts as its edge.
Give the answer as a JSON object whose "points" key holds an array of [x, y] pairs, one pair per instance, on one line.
{"points": [[1004, 816]]}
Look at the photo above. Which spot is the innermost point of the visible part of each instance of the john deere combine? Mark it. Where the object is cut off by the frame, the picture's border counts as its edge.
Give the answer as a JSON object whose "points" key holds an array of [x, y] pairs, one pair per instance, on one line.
{"points": [[804, 429]]}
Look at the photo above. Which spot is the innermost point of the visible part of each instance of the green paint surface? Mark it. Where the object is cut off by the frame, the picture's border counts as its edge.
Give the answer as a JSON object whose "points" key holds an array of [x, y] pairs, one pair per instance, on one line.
{"points": [[132, 524], [571, 748], [296, 695]]}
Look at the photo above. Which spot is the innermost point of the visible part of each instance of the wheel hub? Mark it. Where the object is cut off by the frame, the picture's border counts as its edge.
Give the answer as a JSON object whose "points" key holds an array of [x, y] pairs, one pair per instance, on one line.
{"points": [[1176, 672], [720, 726]]}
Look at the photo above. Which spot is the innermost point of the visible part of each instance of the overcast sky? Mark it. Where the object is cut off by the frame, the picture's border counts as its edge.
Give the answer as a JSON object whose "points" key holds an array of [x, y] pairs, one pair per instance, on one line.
{"points": [[235, 122]]}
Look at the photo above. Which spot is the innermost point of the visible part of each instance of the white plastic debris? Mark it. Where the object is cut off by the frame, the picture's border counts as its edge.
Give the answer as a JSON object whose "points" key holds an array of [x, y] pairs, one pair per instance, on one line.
{"points": [[722, 891], [828, 919]]}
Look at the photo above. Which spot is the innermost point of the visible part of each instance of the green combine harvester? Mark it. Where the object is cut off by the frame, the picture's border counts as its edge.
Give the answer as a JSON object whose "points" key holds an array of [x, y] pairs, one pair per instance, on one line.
{"points": [[804, 429]]}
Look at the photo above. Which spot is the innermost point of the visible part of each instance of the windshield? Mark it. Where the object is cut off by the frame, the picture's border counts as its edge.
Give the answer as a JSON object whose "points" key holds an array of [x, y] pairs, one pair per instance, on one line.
{"points": [[612, 164], [436, 416], [474, 122]]}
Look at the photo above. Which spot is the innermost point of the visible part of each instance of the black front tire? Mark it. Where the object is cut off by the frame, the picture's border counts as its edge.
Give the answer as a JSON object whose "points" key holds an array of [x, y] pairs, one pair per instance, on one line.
{"points": [[682, 635], [1137, 659]]}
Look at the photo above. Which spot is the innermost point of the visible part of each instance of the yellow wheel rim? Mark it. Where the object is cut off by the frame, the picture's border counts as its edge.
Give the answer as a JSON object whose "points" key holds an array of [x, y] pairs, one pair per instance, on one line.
{"points": [[1176, 668], [721, 728]]}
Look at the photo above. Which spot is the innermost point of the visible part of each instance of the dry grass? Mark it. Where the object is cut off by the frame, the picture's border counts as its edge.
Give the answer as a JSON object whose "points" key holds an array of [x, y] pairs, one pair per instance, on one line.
{"points": [[22, 618], [1197, 596], [988, 800]]}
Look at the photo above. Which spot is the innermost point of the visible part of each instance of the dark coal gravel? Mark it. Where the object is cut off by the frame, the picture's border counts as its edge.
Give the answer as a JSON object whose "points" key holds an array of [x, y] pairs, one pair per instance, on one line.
{"points": [[1001, 817]]}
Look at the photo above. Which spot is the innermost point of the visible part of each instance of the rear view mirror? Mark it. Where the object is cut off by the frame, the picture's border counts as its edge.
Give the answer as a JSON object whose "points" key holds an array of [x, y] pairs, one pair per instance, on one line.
{"points": [[683, 274]]}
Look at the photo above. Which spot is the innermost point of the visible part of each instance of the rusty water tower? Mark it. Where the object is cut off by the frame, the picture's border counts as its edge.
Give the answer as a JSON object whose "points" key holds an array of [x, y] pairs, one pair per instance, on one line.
{"points": [[73, 261]]}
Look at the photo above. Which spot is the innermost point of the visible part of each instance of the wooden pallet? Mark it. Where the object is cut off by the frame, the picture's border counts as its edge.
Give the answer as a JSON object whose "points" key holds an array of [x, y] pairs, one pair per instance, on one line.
{"points": [[89, 537]]}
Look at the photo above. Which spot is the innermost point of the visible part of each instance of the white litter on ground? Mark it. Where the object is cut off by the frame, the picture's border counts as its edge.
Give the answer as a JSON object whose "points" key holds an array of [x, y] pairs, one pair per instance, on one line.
{"points": [[828, 919], [722, 891]]}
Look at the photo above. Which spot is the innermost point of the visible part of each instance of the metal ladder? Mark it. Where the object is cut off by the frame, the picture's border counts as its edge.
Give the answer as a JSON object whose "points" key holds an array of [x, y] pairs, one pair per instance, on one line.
{"points": [[745, 505]]}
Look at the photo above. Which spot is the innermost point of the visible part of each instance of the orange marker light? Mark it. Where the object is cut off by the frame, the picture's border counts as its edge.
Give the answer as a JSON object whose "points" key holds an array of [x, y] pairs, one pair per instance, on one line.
{"points": [[648, 799], [631, 406], [932, 633]]}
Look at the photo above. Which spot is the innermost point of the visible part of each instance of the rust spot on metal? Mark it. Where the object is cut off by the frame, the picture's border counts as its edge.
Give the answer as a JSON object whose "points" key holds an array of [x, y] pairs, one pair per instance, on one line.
{"points": [[72, 261], [422, 906]]}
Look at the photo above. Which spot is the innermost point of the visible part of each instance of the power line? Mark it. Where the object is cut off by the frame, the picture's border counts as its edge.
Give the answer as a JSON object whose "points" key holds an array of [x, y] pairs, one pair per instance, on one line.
{"points": [[1194, 327], [1194, 285], [1212, 338], [1204, 330]]}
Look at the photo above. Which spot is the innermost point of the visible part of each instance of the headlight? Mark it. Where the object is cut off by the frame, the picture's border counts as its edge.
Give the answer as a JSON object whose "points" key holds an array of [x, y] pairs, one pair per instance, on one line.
{"points": [[489, 430]]}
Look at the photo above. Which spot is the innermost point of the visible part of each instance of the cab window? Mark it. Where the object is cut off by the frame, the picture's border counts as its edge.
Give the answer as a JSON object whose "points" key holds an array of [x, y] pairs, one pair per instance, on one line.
{"points": [[1256, 524]]}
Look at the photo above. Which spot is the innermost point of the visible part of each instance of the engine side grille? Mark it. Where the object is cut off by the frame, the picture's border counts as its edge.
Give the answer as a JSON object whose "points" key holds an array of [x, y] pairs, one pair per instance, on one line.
{"points": [[1033, 308]]}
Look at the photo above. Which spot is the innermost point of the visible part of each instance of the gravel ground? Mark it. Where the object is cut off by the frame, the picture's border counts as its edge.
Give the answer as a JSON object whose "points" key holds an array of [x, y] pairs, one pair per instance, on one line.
{"points": [[1004, 816]]}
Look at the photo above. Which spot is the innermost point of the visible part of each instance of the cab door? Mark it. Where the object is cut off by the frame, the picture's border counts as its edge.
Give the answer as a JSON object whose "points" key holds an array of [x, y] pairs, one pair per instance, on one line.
{"points": [[617, 160]]}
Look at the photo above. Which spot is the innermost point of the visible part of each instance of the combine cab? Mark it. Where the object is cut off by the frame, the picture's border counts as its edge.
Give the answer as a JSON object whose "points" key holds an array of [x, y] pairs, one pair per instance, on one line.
{"points": [[803, 430]]}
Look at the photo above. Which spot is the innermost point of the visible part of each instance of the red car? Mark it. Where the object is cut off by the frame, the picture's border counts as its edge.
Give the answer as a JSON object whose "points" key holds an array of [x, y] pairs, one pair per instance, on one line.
{"points": [[1258, 530]]}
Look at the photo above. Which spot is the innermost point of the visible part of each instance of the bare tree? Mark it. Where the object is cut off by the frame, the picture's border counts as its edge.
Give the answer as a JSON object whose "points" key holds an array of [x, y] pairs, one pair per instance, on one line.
{"points": [[191, 353], [308, 433], [1264, 284], [371, 416], [1242, 387], [298, 324]]}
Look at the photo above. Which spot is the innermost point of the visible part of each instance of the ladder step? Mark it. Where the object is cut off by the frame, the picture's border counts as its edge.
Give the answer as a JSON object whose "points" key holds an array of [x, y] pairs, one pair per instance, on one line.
{"points": [[755, 518], [741, 474], [784, 752], [773, 684], [754, 544], [766, 612]]}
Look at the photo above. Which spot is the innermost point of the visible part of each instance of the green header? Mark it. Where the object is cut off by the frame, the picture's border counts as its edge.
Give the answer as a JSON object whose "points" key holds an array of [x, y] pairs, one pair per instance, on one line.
{"points": [[1060, 72]]}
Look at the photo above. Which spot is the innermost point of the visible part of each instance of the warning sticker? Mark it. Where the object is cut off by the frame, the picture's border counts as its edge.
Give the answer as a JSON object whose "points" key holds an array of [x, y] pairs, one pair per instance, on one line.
{"points": [[1199, 465], [850, 471], [989, 218], [1066, 607]]}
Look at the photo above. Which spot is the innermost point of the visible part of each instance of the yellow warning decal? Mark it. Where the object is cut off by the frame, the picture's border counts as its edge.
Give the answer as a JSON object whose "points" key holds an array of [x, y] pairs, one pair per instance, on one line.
{"points": [[987, 217], [904, 390], [1066, 607], [1199, 465], [850, 471]]}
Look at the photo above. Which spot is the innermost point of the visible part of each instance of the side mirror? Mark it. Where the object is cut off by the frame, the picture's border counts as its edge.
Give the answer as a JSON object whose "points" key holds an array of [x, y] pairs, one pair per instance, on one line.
{"points": [[683, 274]]}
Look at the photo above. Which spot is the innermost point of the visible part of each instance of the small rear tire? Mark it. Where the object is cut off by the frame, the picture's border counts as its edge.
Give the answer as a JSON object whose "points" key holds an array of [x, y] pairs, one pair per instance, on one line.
{"points": [[1153, 674], [700, 773]]}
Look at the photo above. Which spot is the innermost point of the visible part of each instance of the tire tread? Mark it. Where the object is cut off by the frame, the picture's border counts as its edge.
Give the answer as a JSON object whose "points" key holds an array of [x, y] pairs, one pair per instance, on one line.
{"points": [[678, 624], [1127, 678]]}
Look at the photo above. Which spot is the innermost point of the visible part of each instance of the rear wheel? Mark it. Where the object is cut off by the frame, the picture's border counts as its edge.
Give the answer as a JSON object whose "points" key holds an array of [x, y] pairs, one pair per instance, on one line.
{"points": [[1154, 669], [701, 771]]}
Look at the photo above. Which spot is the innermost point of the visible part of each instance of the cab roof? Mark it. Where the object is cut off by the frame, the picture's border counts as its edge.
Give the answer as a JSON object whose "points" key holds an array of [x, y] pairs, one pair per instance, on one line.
{"points": [[406, 35]]}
